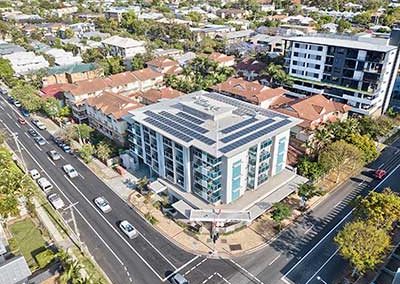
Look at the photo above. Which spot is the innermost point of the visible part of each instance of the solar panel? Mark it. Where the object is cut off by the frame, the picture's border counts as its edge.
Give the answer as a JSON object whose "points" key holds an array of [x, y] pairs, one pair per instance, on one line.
{"points": [[254, 136], [247, 130], [190, 118], [180, 128], [184, 122], [239, 125], [168, 129]]}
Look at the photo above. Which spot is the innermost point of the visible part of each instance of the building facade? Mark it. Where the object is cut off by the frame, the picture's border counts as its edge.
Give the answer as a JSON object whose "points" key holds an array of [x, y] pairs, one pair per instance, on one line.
{"points": [[209, 145], [356, 71]]}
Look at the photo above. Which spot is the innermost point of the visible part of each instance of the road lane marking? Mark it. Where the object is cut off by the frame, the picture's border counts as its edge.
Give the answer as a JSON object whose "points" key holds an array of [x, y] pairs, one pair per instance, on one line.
{"points": [[82, 176], [114, 229], [334, 228], [51, 161], [322, 266], [308, 230], [26, 134], [275, 259], [215, 274], [37, 147], [194, 267], [2, 107], [245, 270], [180, 268], [9, 115], [17, 125], [381, 165]]}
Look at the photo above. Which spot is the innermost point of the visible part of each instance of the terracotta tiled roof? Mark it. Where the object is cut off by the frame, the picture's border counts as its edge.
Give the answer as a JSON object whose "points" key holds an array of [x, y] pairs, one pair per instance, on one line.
{"points": [[310, 109], [162, 62], [88, 86], [220, 57], [146, 74], [251, 65], [154, 95], [113, 104], [120, 79], [252, 92]]}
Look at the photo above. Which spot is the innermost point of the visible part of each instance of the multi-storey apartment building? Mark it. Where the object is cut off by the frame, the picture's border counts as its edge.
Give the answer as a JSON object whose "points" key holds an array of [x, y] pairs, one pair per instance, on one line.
{"points": [[210, 146], [358, 71]]}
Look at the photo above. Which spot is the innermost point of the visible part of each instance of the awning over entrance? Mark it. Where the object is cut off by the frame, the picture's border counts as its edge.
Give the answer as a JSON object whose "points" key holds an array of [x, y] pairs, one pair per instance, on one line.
{"points": [[157, 187], [219, 216], [183, 208]]}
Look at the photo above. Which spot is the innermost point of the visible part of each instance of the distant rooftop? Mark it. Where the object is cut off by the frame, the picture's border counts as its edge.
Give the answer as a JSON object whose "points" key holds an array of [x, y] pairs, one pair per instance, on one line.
{"points": [[73, 68], [359, 42], [217, 124], [14, 270]]}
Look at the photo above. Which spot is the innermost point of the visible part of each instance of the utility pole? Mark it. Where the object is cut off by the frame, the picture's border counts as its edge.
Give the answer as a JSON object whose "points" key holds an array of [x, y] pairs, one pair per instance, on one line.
{"points": [[15, 136], [77, 234]]}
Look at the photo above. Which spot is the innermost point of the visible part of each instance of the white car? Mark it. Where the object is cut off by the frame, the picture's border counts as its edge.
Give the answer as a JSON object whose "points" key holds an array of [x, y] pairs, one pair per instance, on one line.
{"points": [[103, 204], [70, 171], [128, 229], [34, 174], [44, 184], [54, 155], [17, 103], [56, 201], [38, 124]]}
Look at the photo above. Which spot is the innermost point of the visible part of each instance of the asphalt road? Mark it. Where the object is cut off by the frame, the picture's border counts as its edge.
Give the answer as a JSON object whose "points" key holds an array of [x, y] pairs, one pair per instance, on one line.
{"points": [[300, 254]]}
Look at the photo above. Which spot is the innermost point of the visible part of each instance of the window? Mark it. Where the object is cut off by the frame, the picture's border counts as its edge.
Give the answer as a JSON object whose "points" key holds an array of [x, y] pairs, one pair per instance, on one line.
{"points": [[236, 175], [320, 48], [297, 45], [315, 75]]}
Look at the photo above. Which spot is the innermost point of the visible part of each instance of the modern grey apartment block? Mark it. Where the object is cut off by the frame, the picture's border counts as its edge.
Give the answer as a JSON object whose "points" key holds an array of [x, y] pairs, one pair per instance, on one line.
{"points": [[359, 71], [210, 145]]}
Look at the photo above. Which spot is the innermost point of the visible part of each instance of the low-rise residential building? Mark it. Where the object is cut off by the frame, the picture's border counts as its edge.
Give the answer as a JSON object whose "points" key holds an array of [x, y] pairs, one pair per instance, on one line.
{"points": [[268, 43], [62, 57], [231, 13], [251, 92], [223, 60], [211, 31], [148, 78], [123, 47], [212, 151], [116, 13], [61, 12], [26, 62], [234, 37], [80, 28], [156, 95], [314, 111], [105, 113], [71, 73], [164, 65], [250, 69], [8, 48]]}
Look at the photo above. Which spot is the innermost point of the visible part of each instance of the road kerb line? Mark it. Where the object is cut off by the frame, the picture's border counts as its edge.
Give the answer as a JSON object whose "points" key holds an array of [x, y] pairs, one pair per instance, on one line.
{"points": [[245, 270]]}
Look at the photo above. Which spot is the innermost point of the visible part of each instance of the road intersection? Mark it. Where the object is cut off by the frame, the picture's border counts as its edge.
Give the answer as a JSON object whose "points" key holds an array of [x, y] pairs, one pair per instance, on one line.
{"points": [[303, 253]]}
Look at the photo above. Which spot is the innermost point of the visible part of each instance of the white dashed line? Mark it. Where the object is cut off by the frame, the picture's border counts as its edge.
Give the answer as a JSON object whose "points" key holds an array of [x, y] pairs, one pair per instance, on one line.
{"points": [[215, 274], [309, 229], [275, 259], [194, 267], [245, 270]]}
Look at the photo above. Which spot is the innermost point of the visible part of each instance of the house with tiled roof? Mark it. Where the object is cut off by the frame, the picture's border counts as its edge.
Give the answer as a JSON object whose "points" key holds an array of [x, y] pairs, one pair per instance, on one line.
{"points": [[105, 113], [223, 60], [155, 95], [149, 78], [123, 47], [164, 65], [71, 73], [251, 92], [314, 111], [250, 69]]}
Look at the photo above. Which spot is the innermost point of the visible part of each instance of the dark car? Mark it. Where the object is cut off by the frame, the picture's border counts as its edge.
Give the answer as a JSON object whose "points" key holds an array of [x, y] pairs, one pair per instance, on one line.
{"points": [[33, 133], [25, 113]]}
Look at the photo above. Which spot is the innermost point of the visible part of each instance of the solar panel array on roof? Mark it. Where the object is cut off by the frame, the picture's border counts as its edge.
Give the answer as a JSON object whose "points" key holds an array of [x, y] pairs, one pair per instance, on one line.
{"points": [[238, 125], [184, 122], [243, 107], [190, 118], [247, 130], [178, 127], [254, 136], [168, 129]]}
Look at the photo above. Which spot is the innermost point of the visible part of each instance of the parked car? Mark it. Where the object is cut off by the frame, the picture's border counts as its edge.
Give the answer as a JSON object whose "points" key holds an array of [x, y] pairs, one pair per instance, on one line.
{"points": [[128, 229], [25, 113], [56, 201], [17, 103], [40, 141], [10, 99], [66, 148], [53, 154], [33, 133], [38, 124], [103, 204], [34, 173], [379, 174], [179, 279], [44, 184], [21, 120], [70, 171], [3, 91]]}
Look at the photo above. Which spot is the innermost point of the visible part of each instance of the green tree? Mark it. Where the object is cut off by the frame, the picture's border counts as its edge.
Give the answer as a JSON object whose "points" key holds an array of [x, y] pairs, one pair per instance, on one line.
{"points": [[6, 71], [139, 61], [343, 25], [69, 33], [339, 155], [112, 65], [142, 184], [277, 76], [363, 245], [366, 145], [28, 97], [65, 111], [86, 152], [308, 190], [363, 18], [103, 151], [380, 209], [51, 107], [281, 211], [92, 55], [310, 169], [194, 16]]}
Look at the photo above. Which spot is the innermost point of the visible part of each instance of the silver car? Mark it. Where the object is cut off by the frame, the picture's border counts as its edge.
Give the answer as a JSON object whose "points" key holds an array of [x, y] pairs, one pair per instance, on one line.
{"points": [[128, 229], [103, 204]]}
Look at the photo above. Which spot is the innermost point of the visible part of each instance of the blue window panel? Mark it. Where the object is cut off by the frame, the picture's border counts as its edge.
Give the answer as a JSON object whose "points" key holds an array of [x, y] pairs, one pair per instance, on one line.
{"points": [[236, 169], [235, 188]]}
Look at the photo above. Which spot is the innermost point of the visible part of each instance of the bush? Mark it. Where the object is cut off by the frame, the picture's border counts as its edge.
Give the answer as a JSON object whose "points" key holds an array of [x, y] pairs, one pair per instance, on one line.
{"points": [[151, 218], [44, 258], [86, 152]]}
